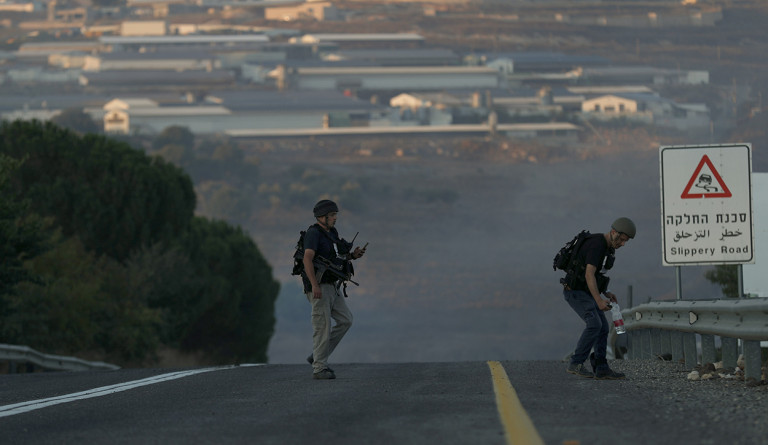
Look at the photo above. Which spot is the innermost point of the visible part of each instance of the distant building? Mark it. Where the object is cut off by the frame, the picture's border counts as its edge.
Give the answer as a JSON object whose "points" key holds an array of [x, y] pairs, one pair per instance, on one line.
{"points": [[536, 61], [642, 75], [145, 116], [320, 11], [396, 57], [163, 60], [44, 49], [20, 6], [374, 40], [647, 109], [222, 111], [386, 78], [138, 43], [455, 106], [146, 80], [143, 28]]}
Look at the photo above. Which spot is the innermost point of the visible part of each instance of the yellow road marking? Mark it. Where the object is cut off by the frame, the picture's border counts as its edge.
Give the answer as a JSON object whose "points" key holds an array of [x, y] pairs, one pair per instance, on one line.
{"points": [[518, 427]]}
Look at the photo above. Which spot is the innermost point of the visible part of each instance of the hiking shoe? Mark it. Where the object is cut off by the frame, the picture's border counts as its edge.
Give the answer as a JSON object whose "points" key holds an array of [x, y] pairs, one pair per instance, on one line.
{"points": [[579, 370], [325, 374], [606, 373]]}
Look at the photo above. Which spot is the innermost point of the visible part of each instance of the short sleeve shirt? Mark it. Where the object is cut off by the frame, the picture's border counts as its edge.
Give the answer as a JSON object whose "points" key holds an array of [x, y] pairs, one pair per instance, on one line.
{"points": [[594, 251], [316, 240]]}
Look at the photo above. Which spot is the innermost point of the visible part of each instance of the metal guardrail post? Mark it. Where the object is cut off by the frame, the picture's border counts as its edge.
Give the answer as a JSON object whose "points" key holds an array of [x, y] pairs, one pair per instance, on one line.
{"points": [[708, 353], [656, 342], [690, 351], [646, 347], [730, 348], [676, 338], [753, 359], [630, 345], [666, 342]]}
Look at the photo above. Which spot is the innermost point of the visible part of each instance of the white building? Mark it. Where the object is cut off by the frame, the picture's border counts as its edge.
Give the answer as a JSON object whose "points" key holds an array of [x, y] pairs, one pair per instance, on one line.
{"points": [[648, 109], [143, 28], [163, 60], [319, 11], [145, 116], [221, 111]]}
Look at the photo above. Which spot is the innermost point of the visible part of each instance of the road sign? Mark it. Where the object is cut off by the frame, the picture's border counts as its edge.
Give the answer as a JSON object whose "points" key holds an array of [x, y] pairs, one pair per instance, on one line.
{"points": [[706, 204], [755, 283]]}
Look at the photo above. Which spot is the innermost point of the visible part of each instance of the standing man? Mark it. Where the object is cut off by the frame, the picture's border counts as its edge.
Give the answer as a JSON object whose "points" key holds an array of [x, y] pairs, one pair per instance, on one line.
{"points": [[582, 288], [322, 289]]}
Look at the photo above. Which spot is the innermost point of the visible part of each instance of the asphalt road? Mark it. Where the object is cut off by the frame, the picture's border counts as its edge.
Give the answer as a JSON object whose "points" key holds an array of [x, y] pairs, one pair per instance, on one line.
{"points": [[419, 403]]}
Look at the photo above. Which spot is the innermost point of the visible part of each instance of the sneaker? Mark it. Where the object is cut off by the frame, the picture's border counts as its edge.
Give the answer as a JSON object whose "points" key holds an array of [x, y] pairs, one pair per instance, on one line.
{"points": [[325, 374], [606, 373], [579, 370], [311, 360]]}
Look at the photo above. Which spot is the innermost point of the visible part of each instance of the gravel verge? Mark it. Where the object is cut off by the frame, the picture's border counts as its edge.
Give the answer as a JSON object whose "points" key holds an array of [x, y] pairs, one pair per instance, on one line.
{"points": [[724, 407]]}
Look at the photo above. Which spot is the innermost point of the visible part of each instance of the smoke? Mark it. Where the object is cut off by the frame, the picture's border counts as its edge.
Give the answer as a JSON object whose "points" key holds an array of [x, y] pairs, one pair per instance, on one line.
{"points": [[473, 279]]}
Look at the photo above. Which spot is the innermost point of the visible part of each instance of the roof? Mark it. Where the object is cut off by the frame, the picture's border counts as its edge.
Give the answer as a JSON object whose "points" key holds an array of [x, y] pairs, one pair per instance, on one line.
{"points": [[129, 103], [288, 100], [609, 89], [628, 71], [636, 97], [50, 101], [535, 57], [351, 37], [157, 55], [189, 110], [396, 130], [133, 77], [398, 70], [168, 40], [405, 53]]}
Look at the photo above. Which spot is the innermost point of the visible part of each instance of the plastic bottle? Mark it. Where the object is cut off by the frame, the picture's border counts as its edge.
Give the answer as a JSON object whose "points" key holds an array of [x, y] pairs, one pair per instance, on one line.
{"points": [[618, 320]]}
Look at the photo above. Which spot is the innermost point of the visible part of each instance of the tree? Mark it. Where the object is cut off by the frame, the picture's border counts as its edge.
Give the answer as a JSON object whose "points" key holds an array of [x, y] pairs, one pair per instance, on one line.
{"points": [[21, 234], [234, 304], [727, 277], [113, 197], [131, 268], [82, 304], [174, 135], [77, 120]]}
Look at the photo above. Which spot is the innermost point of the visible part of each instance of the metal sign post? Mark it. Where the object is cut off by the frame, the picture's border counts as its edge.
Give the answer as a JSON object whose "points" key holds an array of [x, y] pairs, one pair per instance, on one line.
{"points": [[706, 205]]}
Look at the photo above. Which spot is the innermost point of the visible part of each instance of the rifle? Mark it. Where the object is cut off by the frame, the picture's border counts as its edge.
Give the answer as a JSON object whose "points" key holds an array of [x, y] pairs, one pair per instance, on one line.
{"points": [[323, 265]]}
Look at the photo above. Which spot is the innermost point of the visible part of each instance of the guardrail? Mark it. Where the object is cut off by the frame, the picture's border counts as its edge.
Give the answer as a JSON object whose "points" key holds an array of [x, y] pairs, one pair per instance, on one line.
{"points": [[14, 354], [664, 327]]}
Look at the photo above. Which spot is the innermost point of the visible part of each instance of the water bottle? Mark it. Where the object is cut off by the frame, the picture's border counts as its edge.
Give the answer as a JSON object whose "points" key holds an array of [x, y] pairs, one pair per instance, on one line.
{"points": [[618, 320]]}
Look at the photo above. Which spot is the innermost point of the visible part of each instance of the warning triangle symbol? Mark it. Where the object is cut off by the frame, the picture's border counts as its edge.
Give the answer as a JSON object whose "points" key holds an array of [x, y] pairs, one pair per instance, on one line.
{"points": [[705, 184]]}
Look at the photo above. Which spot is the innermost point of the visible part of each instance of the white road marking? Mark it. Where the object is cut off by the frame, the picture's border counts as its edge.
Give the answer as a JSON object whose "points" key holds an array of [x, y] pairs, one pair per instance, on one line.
{"points": [[23, 407]]}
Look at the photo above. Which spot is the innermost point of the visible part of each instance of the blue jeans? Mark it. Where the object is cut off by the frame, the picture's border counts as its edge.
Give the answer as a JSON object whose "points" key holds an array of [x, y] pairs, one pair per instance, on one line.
{"points": [[595, 334]]}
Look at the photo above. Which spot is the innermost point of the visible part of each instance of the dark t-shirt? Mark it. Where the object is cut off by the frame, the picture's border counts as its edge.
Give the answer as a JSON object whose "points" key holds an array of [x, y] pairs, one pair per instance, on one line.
{"points": [[593, 251], [326, 245], [321, 242]]}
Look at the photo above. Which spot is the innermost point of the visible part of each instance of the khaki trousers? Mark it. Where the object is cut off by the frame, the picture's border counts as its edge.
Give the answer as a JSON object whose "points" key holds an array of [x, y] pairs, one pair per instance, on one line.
{"points": [[325, 338]]}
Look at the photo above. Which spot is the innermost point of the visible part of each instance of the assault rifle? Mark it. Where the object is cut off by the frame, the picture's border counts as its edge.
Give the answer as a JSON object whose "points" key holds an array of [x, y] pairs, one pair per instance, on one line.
{"points": [[323, 265]]}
